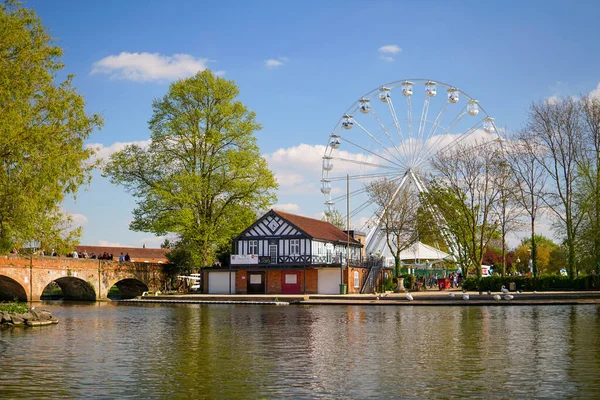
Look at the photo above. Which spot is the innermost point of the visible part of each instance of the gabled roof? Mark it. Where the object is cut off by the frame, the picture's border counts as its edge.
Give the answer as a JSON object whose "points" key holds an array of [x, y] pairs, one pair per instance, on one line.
{"points": [[316, 228]]}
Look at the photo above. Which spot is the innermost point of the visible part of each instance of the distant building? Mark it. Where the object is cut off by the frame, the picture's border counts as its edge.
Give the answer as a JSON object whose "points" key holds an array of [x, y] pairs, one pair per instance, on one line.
{"points": [[137, 254], [283, 253]]}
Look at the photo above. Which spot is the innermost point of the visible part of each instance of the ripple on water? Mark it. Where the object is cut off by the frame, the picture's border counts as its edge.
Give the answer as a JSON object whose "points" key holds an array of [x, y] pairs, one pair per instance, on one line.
{"points": [[237, 351]]}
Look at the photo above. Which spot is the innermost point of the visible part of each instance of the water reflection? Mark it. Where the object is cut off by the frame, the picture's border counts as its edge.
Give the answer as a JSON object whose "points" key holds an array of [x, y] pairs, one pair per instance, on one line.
{"points": [[234, 351]]}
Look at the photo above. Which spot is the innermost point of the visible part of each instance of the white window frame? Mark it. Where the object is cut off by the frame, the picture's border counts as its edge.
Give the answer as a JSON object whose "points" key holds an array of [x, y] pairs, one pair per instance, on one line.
{"points": [[356, 280], [294, 247], [291, 279], [273, 253], [253, 247]]}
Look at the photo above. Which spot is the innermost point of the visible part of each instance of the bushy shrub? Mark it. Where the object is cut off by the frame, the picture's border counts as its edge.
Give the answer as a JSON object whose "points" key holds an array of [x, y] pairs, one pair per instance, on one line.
{"points": [[15, 307], [546, 282], [390, 284]]}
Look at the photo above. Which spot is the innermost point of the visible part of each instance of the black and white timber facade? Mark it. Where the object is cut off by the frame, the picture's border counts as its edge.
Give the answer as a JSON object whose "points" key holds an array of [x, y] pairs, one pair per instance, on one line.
{"points": [[280, 239]]}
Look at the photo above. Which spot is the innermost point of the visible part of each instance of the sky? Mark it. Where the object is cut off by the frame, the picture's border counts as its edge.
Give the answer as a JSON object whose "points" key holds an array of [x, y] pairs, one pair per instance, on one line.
{"points": [[299, 66]]}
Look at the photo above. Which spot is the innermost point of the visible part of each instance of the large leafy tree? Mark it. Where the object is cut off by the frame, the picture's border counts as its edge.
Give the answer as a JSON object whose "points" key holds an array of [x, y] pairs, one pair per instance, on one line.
{"points": [[557, 130], [465, 193], [43, 126], [545, 247], [587, 185], [528, 182], [202, 176]]}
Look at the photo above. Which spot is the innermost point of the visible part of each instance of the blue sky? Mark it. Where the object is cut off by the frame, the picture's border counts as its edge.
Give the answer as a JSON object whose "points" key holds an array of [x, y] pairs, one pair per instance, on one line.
{"points": [[324, 56]]}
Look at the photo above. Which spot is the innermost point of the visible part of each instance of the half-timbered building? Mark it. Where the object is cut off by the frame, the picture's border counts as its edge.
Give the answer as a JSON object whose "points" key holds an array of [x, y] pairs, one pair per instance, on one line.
{"points": [[291, 254]]}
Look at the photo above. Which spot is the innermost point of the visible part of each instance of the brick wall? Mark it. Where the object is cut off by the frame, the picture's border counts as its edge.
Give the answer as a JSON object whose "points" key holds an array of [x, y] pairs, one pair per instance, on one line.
{"points": [[312, 281], [362, 275], [241, 284], [273, 282]]}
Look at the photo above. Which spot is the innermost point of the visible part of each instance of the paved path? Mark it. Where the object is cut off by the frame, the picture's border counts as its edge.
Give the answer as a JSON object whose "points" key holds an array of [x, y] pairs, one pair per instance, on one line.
{"points": [[453, 297]]}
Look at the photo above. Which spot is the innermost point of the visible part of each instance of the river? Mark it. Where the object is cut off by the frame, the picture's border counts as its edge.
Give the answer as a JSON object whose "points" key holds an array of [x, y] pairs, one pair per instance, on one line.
{"points": [[112, 350]]}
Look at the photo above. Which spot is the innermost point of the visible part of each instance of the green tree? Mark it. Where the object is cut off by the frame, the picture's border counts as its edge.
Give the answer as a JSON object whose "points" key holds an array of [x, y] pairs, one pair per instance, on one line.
{"points": [[43, 126], [202, 176], [587, 185], [529, 181], [336, 219], [558, 259], [396, 215], [556, 128], [449, 211], [465, 193], [544, 246]]}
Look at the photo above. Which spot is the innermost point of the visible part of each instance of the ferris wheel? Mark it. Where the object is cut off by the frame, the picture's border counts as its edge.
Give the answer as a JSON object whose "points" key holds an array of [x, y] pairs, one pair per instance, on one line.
{"points": [[393, 132]]}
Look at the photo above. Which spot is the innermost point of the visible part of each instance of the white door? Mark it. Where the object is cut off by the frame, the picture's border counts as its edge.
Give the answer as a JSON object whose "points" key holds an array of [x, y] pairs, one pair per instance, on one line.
{"points": [[219, 284], [329, 281]]}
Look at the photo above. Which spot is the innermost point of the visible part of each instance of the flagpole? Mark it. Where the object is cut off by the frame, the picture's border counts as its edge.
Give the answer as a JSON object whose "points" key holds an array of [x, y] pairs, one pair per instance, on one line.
{"points": [[348, 223]]}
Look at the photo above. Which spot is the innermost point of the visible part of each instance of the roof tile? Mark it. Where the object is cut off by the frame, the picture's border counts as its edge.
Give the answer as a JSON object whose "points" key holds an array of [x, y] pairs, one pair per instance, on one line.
{"points": [[316, 228]]}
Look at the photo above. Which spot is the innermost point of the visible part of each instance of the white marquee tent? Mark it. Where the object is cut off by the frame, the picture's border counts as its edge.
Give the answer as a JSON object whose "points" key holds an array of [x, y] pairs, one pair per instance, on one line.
{"points": [[419, 254]]}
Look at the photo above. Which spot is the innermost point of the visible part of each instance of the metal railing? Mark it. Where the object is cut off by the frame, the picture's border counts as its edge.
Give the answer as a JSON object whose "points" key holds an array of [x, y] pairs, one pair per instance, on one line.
{"points": [[375, 266]]}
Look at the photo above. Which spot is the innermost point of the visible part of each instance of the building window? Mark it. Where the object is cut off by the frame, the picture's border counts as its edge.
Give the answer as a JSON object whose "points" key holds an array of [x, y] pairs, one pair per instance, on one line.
{"points": [[356, 280], [291, 279], [295, 247], [253, 247]]}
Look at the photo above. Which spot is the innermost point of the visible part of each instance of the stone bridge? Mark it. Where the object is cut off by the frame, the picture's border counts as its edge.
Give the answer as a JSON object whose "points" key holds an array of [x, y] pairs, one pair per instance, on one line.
{"points": [[80, 279]]}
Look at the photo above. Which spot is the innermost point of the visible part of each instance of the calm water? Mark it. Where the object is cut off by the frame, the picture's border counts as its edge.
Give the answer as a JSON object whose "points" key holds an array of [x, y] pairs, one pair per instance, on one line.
{"points": [[231, 351]]}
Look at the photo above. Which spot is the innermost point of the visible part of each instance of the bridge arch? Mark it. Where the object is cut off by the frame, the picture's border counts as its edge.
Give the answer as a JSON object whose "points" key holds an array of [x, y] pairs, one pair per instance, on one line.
{"points": [[129, 288], [74, 288], [11, 289]]}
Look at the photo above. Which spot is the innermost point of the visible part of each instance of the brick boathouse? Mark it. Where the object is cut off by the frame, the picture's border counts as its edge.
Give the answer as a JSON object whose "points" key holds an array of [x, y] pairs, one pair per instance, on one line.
{"points": [[283, 253]]}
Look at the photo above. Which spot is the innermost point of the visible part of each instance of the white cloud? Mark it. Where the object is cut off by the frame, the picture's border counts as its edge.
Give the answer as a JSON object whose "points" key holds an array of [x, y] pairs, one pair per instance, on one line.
{"points": [[552, 99], [276, 62], [299, 168], [288, 207], [104, 152], [79, 220], [596, 92], [106, 243], [286, 178], [144, 67], [389, 49]]}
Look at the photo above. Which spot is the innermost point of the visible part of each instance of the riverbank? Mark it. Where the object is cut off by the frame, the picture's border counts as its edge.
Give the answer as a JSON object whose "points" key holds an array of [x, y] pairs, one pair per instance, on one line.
{"points": [[29, 317], [425, 298]]}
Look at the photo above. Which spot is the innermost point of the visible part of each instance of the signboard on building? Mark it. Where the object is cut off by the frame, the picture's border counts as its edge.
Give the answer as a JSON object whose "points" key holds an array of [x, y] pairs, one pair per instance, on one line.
{"points": [[264, 260], [237, 259]]}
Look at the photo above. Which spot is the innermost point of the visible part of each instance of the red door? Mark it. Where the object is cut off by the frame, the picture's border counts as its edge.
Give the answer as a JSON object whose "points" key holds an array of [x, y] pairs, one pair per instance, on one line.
{"points": [[290, 282]]}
